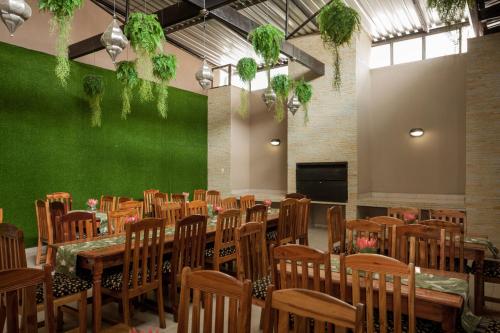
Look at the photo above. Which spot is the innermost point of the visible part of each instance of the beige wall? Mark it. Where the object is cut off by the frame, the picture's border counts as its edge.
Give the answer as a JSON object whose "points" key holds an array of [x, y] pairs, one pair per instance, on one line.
{"points": [[88, 21], [240, 145], [429, 94]]}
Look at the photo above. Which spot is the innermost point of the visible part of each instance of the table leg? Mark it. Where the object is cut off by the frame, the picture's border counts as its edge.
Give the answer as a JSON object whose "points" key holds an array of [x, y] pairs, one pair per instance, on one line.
{"points": [[478, 283], [96, 296], [449, 322]]}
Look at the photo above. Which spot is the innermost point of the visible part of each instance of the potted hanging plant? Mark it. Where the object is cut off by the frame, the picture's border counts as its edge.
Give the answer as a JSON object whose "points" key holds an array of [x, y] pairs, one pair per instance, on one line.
{"points": [[146, 36], [247, 69], [164, 69], [62, 15], [303, 90], [337, 25], [127, 75], [448, 10], [93, 86], [281, 85]]}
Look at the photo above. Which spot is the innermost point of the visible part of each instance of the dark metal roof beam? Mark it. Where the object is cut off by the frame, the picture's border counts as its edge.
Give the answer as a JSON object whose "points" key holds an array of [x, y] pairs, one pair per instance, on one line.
{"points": [[304, 10], [309, 19], [108, 7], [476, 24], [489, 12]]}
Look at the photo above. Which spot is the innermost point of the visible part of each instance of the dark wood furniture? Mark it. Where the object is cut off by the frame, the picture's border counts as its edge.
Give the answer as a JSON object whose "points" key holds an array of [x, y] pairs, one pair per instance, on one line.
{"points": [[199, 195], [399, 212], [356, 229], [159, 201], [229, 203], [297, 196], [336, 229], [133, 204], [224, 250], [107, 203], [197, 207], [213, 198], [287, 221], [118, 219], [75, 225], [302, 226], [149, 200], [63, 197], [171, 212], [388, 222], [247, 201], [44, 227]]}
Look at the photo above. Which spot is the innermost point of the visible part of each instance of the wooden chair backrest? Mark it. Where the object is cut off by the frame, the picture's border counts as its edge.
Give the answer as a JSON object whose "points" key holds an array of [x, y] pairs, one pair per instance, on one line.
{"points": [[123, 199], [213, 198], [189, 243], [178, 197], [302, 226], [149, 196], [336, 228], [419, 244], [43, 221], [24, 281], [118, 219], [311, 305], [287, 221], [450, 215], [1, 215], [171, 212], [229, 203], [364, 267], [76, 225], [300, 266], [132, 204], [388, 222], [399, 212], [197, 207], [200, 195], [251, 251], [454, 234], [107, 203], [159, 201], [297, 196], [63, 197], [227, 222], [56, 210], [12, 251], [364, 228], [143, 255], [247, 201], [205, 286]]}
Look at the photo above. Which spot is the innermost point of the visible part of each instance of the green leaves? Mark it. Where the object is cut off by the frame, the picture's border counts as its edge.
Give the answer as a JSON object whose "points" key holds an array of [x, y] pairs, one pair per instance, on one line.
{"points": [[127, 74], [266, 41], [337, 24], [281, 85], [247, 69], [93, 86], [60, 8], [448, 10], [303, 90], [164, 67], [144, 32]]}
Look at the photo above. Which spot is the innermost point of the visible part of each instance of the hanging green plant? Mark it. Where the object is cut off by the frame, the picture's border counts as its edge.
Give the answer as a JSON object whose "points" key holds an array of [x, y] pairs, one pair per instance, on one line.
{"points": [[93, 86], [127, 75], [247, 69], [448, 10], [146, 36], [281, 85], [337, 25], [62, 15], [164, 69], [266, 41], [303, 90]]}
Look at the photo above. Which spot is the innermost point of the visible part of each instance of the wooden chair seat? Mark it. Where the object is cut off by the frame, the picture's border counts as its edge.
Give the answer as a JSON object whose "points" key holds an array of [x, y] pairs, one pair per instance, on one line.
{"points": [[222, 252], [259, 287], [64, 285], [113, 280]]}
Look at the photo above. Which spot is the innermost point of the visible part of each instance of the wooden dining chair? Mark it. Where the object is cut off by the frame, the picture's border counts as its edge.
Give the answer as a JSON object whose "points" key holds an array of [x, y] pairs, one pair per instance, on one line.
{"points": [[297, 196], [25, 281], [200, 195], [213, 198], [419, 244], [400, 212], [132, 204], [171, 212], [44, 227], [149, 199], [197, 207], [229, 203], [287, 221], [336, 229], [454, 235], [159, 201], [123, 199], [204, 286], [63, 197], [308, 306], [178, 197], [224, 249], [355, 229], [258, 213], [247, 201], [188, 251], [450, 215], [369, 273], [1, 215], [142, 267], [118, 219], [388, 222], [302, 226], [107, 203], [76, 225]]}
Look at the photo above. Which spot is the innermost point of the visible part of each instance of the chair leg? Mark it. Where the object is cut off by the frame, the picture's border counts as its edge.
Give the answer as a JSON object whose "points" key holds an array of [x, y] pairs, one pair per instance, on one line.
{"points": [[161, 310], [126, 311], [60, 319], [173, 299], [3, 315], [82, 312]]}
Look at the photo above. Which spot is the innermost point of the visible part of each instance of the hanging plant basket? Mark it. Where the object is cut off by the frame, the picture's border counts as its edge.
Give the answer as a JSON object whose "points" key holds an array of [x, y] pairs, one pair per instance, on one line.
{"points": [[449, 11], [164, 69], [127, 74], [247, 69], [337, 25], [281, 85], [266, 41], [303, 90], [146, 37], [93, 86], [62, 14]]}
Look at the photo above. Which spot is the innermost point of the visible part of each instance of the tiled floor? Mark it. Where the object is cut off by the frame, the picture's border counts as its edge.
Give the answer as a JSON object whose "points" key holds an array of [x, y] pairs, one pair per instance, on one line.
{"points": [[147, 319]]}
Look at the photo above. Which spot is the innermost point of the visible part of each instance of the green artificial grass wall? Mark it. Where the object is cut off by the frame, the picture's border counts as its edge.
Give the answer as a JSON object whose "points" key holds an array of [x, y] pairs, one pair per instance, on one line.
{"points": [[48, 145]]}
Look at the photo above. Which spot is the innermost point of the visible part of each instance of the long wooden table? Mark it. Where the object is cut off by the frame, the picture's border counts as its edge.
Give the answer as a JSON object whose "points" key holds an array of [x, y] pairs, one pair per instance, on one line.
{"points": [[97, 260]]}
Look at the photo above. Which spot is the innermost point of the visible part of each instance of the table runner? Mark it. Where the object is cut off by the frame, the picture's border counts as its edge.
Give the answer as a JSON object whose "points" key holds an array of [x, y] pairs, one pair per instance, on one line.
{"points": [[476, 240]]}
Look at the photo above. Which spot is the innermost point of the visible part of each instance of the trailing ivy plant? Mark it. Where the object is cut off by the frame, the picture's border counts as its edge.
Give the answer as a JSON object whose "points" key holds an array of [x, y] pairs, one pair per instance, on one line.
{"points": [[266, 41], [303, 90], [247, 69], [164, 69], [62, 14], [281, 85], [337, 25], [448, 10], [93, 86], [126, 73], [146, 36]]}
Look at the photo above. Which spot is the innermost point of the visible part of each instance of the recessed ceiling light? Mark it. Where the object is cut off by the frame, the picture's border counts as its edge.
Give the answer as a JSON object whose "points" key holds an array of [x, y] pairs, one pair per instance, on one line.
{"points": [[416, 132]]}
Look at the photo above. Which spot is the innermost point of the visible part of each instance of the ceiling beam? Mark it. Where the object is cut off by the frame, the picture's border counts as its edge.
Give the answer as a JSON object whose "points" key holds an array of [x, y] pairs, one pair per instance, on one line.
{"points": [[477, 26], [421, 15], [489, 12], [304, 10]]}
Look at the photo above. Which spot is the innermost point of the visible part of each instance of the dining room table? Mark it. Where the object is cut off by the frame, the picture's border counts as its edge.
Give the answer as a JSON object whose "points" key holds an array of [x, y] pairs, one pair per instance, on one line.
{"points": [[108, 251]]}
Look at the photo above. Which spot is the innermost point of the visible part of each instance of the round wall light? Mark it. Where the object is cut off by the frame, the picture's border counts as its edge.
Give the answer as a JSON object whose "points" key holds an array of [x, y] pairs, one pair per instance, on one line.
{"points": [[416, 132], [275, 142]]}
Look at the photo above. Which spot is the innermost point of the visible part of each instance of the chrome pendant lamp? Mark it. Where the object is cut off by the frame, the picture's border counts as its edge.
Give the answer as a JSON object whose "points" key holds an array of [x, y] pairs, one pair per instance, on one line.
{"points": [[113, 39], [14, 13], [204, 75]]}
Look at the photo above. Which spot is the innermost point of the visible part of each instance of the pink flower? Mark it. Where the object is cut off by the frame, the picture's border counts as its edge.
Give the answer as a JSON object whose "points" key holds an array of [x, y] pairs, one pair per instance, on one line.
{"points": [[267, 202], [92, 203], [150, 330], [219, 209], [131, 219], [365, 242], [409, 217]]}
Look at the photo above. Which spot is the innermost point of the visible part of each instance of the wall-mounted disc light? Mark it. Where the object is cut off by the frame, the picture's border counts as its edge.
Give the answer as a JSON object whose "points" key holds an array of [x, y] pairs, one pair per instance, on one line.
{"points": [[275, 142], [416, 132]]}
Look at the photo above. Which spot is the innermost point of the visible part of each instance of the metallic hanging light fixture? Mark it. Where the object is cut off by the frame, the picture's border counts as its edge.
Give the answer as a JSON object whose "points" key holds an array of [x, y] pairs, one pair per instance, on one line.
{"points": [[269, 96], [113, 38], [14, 13], [293, 104], [204, 75]]}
